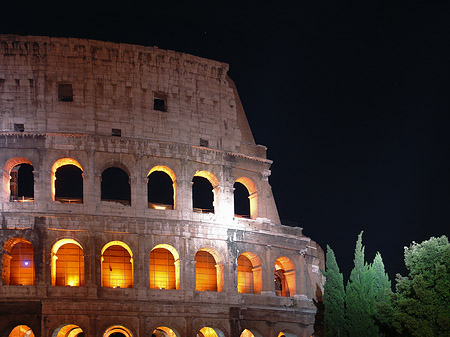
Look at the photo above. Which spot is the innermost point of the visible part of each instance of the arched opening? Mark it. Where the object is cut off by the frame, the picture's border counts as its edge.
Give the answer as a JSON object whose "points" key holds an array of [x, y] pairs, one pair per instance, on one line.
{"points": [[204, 190], [21, 331], [248, 333], [68, 330], [22, 183], [117, 265], [249, 274], [163, 331], [208, 270], [18, 180], [164, 268], [18, 262], [115, 186], [67, 265], [210, 332], [245, 198], [161, 188], [284, 277], [67, 181], [117, 331], [286, 334]]}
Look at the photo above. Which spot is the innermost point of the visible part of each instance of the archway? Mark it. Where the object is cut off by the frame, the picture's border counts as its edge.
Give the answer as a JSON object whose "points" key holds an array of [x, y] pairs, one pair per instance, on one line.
{"points": [[210, 332], [245, 198], [204, 192], [21, 331], [249, 273], [161, 188], [117, 265], [284, 277], [18, 262], [250, 333], [115, 186], [208, 270], [164, 267], [67, 181], [18, 180], [67, 265], [68, 330], [117, 331], [163, 331]]}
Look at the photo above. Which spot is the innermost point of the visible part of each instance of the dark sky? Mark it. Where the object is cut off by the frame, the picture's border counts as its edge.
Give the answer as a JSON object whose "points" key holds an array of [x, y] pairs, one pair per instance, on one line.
{"points": [[351, 98]]}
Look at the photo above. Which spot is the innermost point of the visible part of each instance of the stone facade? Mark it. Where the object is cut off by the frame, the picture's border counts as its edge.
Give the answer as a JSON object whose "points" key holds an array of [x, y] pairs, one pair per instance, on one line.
{"points": [[96, 105]]}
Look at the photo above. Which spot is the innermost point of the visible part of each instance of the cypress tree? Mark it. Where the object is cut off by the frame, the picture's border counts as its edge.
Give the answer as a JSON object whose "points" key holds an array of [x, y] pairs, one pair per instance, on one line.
{"points": [[359, 297], [382, 294], [333, 297]]}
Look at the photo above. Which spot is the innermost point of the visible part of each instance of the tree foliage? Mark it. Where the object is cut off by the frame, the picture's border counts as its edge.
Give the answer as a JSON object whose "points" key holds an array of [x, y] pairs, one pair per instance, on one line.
{"points": [[359, 297], [421, 305], [333, 297]]}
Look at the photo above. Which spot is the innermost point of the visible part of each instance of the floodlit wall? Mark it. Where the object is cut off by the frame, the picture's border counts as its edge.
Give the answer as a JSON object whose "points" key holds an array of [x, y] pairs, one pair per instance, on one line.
{"points": [[108, 260]]}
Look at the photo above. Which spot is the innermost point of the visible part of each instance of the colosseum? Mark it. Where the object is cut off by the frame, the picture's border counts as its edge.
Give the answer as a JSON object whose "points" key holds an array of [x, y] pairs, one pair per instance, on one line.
{"points": [[135, 201]]}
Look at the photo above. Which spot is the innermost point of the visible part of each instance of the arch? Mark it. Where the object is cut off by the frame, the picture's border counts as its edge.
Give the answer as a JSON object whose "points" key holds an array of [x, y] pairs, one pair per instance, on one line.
{"points": [[115, 185], [208, 270], [12, 185], [162, 188], [117, 265], [205, 187], [21, 331], [210, 332], [164, 267], [67, 263], [163, 331], [284, 277], [68, 330], [67, 185], [249, 273], [239, 194], [250, 333], [18, 262], [117, 329], [286, 333]]}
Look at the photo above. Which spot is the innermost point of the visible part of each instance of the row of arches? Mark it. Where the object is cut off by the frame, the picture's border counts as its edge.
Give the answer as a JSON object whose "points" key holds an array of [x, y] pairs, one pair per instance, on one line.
{"points": [[73, 330], [118, 263], [67, 186]]}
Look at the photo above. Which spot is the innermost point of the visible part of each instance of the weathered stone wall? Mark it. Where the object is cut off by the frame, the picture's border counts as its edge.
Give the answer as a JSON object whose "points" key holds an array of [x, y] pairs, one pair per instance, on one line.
{"points": [[113, 88]]}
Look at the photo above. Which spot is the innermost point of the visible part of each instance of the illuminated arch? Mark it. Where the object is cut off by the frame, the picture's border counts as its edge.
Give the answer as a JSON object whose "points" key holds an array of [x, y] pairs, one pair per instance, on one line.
{"points": [[210, 332], [202, 201], [285, 281], [59, 163], [208, 270], [249, 273], [117, 265], [21, 331], [117, 329], [286, 334], [250, 333], [172, 176], [7, 167], [252, 195], [163, 331], [18, 262], [164, 267], [67, 330], [67, 264]]}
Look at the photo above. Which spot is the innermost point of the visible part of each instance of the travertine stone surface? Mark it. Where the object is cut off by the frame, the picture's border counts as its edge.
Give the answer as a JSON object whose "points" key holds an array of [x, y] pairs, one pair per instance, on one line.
{"points": [[204, 129]]}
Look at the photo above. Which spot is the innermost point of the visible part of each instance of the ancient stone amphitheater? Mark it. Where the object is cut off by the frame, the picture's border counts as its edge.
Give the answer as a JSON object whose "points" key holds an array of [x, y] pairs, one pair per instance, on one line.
{"points": [[135, 202]]}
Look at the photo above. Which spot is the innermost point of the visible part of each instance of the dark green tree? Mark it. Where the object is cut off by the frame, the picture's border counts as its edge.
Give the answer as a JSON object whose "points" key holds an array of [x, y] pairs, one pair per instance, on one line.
{"points": [[359, 297], [333, 298], [382, 294], [421, 305]]}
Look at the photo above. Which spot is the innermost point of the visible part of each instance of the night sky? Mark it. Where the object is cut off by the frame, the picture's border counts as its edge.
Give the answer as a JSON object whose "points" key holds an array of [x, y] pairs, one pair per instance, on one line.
{"points": [[351, 98]]}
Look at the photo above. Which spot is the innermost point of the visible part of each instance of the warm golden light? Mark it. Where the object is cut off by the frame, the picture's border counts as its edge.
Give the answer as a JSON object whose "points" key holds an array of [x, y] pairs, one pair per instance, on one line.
{"points": [[208, 332], [21, 331], [119, 330], [253, 195], [205, 272], [247, 333], [117, 265], [245, 275], [21, 264], [284, 277], [163, 331], [56, 166], [162, 269], [67, 265]]}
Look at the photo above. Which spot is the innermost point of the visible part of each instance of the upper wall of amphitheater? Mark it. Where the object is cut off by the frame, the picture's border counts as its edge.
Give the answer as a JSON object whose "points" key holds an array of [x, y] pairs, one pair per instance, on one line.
{"points": [[68, 85]]}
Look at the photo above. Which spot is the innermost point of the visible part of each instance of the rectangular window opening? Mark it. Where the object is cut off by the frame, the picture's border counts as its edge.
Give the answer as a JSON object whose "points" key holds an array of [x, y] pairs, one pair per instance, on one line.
{"points": [[19, 127], [159, 104], [65, 92], [204, 142], [116, 132]]}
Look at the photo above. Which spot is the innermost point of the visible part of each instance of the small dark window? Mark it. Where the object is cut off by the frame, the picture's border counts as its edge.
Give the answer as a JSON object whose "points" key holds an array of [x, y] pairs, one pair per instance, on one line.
{"points": [[116, 132], [19, 127], [159, 104], [65, 93], [204, 142]]}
